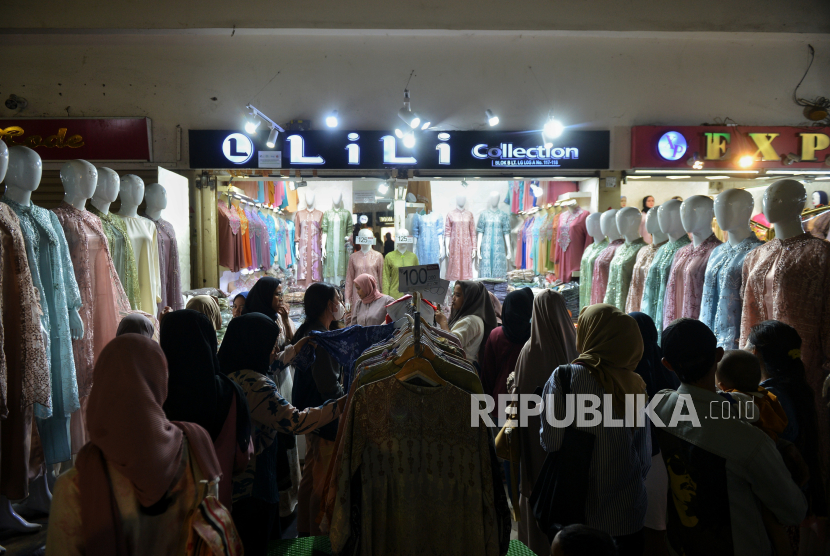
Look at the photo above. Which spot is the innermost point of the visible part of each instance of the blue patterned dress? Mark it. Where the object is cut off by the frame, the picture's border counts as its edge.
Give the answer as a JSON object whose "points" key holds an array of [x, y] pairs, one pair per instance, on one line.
{"points": [[428, 229], [494, 225]]}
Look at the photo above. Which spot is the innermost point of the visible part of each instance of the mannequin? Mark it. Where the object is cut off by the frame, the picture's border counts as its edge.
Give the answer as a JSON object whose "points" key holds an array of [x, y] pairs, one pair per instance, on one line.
{"points": [[459, 241], [428, 231], [121, 249], [684, 289], [494, 231], [363, 261], [171, 284], [602, 264], [570, 241], [654, 292], [644, 260], [787, 279], [103, 300], [144, 240], [336, 225], [586, 266], [622, 266], [400, 257], [722, 304], [308, 242], [24, 362], [819, 199]]}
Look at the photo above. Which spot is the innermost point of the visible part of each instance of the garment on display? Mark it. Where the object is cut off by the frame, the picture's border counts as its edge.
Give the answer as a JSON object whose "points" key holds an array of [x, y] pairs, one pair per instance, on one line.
{"points": [[572, 239], [460, 239], [645, 258], [144, 239], [586, 271], [398, 258], [231, 250], [168, 248], [602, 264], [428, 231], [364, 261], [621, 271], [493, 230], [335, 226], [309, 247]]}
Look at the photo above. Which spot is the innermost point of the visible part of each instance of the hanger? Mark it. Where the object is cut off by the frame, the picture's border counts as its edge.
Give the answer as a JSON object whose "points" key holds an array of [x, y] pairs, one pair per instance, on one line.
{"points": [[418, 366]]}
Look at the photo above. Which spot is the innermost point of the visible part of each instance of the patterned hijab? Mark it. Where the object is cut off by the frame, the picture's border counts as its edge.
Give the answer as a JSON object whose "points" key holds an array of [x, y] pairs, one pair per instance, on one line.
{"points": [[368, 285], [611, 346], [209, 307]]}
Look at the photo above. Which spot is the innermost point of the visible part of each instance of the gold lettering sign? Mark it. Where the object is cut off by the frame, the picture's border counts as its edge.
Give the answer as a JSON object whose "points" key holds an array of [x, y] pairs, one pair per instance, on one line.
{"points": [[764, 144], [59, 140], [812, 142], [716, 145]]}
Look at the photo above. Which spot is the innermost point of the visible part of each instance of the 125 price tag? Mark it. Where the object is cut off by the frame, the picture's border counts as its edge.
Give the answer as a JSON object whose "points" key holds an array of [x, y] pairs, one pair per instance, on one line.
{"points": [[365, 240], [418, 278], [405, 239]]}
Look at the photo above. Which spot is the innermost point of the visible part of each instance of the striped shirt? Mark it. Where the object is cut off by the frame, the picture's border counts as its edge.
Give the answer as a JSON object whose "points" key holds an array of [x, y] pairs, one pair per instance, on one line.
{"points": [[617, 499]]}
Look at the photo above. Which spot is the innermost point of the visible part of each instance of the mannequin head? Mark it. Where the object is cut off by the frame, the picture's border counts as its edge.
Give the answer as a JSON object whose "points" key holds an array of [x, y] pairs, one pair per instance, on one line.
{"points": [[109, 185], [783, 203], [819, 198], [337, 198], [79, 179], [493, 201], [653, 227], [132, 191], [733, 209], [4, 160], [461, 200], [696, 214], [402, 246], [156, 197], [23, 174], [594, 226], [628, 223], [669, 217], [365, 232], [309, 199], [608, 223]]}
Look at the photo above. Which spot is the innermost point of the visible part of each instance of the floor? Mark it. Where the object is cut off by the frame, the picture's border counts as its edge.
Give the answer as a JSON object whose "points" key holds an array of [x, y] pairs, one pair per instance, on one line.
{"points": [[33, 544]]}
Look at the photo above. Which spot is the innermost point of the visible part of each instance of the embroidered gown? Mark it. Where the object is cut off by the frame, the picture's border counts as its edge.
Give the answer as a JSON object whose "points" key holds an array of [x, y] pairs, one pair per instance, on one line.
{"points": [[571, 241], [171, 280], [336, 224], [621, 271], [602, 267], [493, 224], [722, 303], [309, 251], [586, 271], [638, 276], [360, 262], [144, 239], [658, 275], [121, 250], [53, 276], [231, 252], [428, 230], [460, 229], [684, 289]]}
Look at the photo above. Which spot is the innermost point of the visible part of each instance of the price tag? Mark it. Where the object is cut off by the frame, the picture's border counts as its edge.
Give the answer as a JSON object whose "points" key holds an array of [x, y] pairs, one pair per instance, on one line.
{"points": [[418, 278], [405, 239], [437, 294], [361, 240]]}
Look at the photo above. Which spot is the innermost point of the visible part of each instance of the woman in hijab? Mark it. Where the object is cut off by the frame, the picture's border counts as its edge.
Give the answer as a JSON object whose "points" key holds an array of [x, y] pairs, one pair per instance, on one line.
{"points": [[472, 317], [136, 323], [552, 343], [209, 307], [506, 341], [650, 368], [136, 482], [245, 355], [610, 346], [648, 204], [370, 309], [198, 393], [238, 304], [266, 298]]}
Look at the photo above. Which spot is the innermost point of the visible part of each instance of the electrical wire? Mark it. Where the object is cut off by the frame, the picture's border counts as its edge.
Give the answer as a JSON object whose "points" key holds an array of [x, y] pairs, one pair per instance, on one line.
{"points": [[818, 102]]}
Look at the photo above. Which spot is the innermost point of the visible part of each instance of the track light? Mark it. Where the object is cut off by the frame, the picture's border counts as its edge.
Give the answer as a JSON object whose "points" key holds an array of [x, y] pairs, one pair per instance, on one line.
{"points": [[409, 140], [383, 188], [492, 119], [425, 126], [553, 128], [331, 119], [695, 162], [272, 138], [255, 119], [406, 113], [252, 124], [398, 133]]}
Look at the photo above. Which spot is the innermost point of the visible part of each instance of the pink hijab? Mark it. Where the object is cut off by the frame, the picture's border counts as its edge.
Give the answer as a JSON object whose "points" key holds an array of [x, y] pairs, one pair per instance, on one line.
{"points": [[368, 284], [128, 429]]}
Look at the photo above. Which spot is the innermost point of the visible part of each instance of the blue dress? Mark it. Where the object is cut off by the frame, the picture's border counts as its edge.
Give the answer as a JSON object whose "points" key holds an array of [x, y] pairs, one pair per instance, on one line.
{"points": [[654, 291], [428, 229], [721, 306], [54, 277], [272, 235], [493, 224]]}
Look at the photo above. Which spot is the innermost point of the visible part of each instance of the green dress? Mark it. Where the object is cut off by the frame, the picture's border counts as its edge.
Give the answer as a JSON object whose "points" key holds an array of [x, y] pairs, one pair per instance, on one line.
{"points": [[391, 263], [336, 224], [586, 271], [620, 272], [121, 250]]}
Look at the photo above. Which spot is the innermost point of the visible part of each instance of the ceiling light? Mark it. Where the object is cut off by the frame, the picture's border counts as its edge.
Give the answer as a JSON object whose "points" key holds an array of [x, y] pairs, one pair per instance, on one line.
{"points": [[823, 179], [383, 188], [492, 119], [678, 177], [255, 118], [798, 172], [518, 178], [272, 138], [717, 177], [252, 124], [425, 126], [725, 171], [409, 140], [331, 119], [637, 177], [553, 128], [746, 161], [398, 133], [406, 113]]}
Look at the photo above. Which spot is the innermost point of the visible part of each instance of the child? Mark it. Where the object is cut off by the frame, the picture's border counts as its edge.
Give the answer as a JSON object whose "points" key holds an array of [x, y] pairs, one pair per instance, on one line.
{"points": [[739, 374], [579, 540]]}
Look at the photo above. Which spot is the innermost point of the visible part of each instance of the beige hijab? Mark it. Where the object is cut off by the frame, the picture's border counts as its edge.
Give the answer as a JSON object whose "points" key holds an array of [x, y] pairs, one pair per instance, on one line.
{"points": [[611, 346], [209, 307]]}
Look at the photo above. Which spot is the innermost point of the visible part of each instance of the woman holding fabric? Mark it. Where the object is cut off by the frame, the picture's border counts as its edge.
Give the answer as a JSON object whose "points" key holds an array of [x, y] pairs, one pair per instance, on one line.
{"points": [[370, 309], [245, 356], [552, 343], [610, 346], [472, 317], [136, 483], [266, 297]]}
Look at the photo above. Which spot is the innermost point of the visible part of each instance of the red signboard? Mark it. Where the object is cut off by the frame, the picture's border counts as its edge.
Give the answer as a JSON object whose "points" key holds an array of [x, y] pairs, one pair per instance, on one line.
{"points": [[93, 139], [723, 147]]}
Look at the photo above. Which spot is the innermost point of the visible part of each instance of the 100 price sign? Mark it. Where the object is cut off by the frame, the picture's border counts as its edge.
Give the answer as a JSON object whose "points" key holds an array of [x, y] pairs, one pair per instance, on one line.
{"points": [[417, 278]]}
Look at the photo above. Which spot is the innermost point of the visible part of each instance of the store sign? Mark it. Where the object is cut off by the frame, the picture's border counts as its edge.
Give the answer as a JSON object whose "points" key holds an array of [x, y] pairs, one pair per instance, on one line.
{"points": [[106, 139], [270, 159], [363, 240], [456, 150], [720, 147], [363, 197]]}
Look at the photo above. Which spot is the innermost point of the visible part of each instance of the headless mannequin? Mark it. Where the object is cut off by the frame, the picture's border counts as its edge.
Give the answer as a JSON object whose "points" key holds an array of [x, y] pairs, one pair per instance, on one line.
{"points": [[668, 216], [132, 193], [593, 223], [733, 209], [608, 224], [628, 222], [460, 203], [493, 203], [156, 197], [696, 214], [783, 203], [653, 227], [106, 192], [309, 205]]}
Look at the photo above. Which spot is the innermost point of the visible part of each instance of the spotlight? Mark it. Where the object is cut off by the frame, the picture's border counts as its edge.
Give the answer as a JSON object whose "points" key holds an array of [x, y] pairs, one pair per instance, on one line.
{"points": [[425, 126], [406, 113], [409, 140], [252, 124], [398, 133], [331, 120], [383, 188], [492, 119], [553, 128], [790, 159], [302, 183], [255, 118], [695, 162], [746, 161], [272, 138]]}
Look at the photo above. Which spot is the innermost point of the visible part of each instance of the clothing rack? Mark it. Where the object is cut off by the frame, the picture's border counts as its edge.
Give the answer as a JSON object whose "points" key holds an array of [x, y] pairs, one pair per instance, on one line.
{"points": [[232, 192]]}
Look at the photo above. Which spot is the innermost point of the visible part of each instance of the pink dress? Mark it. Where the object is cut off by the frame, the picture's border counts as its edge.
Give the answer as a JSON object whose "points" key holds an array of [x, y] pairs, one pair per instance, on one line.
{"points": [[684, 290], [460, 228], [571, 240], [370, 263], [789, 280], [309, 266], [602, 266], [643, 231], [638, 277]]}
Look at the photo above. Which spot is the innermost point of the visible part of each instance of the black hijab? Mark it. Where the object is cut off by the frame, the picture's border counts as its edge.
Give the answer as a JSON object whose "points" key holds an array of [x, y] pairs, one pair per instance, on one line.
{"points": [[650, 368], [196, 391], [260, 298], [476, 303], [248, 343], [515, 315], [135, 323], [645, 206]]}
